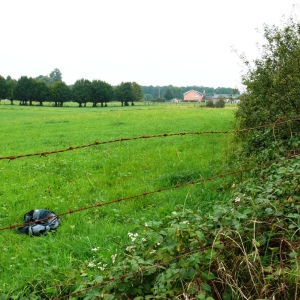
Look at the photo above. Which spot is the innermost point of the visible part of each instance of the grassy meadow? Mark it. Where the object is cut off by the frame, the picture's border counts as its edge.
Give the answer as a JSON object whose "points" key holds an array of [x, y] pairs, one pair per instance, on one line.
{"points": [[97, 174]]}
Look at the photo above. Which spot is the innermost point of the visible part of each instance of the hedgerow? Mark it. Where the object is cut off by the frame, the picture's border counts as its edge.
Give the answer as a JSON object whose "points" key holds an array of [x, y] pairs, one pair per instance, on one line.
{"points": [[246, 249]]}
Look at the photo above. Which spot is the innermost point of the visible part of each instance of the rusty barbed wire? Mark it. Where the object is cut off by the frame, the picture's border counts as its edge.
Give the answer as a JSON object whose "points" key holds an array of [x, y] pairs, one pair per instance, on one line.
{"points": [[71, 211], [12, 157]]}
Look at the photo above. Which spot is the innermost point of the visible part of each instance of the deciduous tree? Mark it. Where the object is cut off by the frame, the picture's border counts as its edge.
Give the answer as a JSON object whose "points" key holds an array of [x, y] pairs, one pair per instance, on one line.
{"points": [[24, 90], [102, 92], [42, 92], [82, 92], [60, 93], [11, 85], [55, 76], [3, 88], [137, 90], [124, 93], [168, 95]]}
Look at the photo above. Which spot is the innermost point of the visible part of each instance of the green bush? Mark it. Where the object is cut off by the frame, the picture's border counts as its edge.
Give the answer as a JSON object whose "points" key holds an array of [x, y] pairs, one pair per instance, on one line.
{"points": [[210, 104], [272, 89], [220, 103]]}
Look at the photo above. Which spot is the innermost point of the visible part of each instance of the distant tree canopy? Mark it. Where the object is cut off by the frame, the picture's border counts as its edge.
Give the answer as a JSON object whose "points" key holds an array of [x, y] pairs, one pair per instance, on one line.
{"points": [[41, 93], [148, 97], [3, 88], [128, 92], [45, 88], [102, 92], [168, 94], [82, 91], [11, 85], [24, 90], [54, 76], [60, 93], [137, 91]]}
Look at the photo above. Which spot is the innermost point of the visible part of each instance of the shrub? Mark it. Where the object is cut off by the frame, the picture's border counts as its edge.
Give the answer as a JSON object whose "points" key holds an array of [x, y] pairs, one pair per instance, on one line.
{"points": [[210, 104], [272, 88], [220, 103]]}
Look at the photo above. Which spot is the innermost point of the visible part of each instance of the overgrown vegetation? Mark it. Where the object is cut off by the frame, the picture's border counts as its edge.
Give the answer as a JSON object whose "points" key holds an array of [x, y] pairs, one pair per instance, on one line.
{"points": [[245, 249], [272, 92]]}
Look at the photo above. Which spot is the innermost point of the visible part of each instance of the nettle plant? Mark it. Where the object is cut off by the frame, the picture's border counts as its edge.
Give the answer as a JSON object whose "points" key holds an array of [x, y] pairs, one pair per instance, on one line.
{"points": [[247, 248]]}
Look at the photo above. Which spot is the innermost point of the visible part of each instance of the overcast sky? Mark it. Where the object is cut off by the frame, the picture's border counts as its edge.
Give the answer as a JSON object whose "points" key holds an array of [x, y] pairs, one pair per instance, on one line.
{"points": [[157, 42]]}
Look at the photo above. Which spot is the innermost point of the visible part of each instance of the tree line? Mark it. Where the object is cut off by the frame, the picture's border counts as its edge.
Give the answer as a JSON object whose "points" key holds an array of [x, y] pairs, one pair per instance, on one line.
{"points": [[52, 89]]}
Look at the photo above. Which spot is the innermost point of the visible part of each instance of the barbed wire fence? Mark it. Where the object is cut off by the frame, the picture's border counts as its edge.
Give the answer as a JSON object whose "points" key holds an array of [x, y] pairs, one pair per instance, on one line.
{"points": [[144, 194], [96, 143], [71, 211]]}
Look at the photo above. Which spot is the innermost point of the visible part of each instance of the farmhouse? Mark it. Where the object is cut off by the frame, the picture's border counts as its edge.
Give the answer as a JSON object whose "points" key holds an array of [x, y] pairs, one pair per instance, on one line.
{"points": [[193, 95]]}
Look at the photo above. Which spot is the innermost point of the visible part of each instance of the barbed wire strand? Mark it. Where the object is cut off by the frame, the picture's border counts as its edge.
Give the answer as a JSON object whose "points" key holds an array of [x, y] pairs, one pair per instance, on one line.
{"points": [[71, 148], [71, 211]]}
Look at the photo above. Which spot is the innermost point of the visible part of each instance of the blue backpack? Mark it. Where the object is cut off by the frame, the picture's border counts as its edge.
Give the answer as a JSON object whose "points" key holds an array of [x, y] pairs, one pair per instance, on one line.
{"points": [[39, 222]]}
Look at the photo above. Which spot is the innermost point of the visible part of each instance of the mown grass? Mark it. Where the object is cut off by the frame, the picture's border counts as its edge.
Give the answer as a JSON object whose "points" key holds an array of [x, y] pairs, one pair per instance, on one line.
{"points": [[97, 174]]}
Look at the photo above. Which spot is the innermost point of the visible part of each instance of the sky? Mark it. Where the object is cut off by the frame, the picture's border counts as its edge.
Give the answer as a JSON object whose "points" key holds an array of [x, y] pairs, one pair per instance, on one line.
{"points": [[157, 42]]}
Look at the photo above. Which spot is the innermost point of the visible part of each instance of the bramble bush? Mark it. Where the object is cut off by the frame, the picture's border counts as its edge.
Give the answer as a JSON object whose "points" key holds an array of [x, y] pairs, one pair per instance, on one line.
{"points": [[248, 248]]}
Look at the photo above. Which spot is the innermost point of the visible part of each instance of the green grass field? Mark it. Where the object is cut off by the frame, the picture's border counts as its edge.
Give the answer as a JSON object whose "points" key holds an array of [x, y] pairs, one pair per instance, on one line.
{"points": [[98, 174]]}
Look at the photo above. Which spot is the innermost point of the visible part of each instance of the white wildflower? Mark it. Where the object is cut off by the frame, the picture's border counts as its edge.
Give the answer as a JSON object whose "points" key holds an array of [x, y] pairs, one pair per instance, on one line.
{"points": [[237, 199], [130, 248], [146, 225], [144, 240], [113, 258], [91, 264], [152, 251], [133, 236], [101, 266], [185, 222], [95, 249]]}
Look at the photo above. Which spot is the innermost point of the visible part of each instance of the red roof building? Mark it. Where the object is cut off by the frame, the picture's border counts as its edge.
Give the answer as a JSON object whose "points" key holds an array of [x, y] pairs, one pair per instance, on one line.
{"points": [[193, 95]]}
